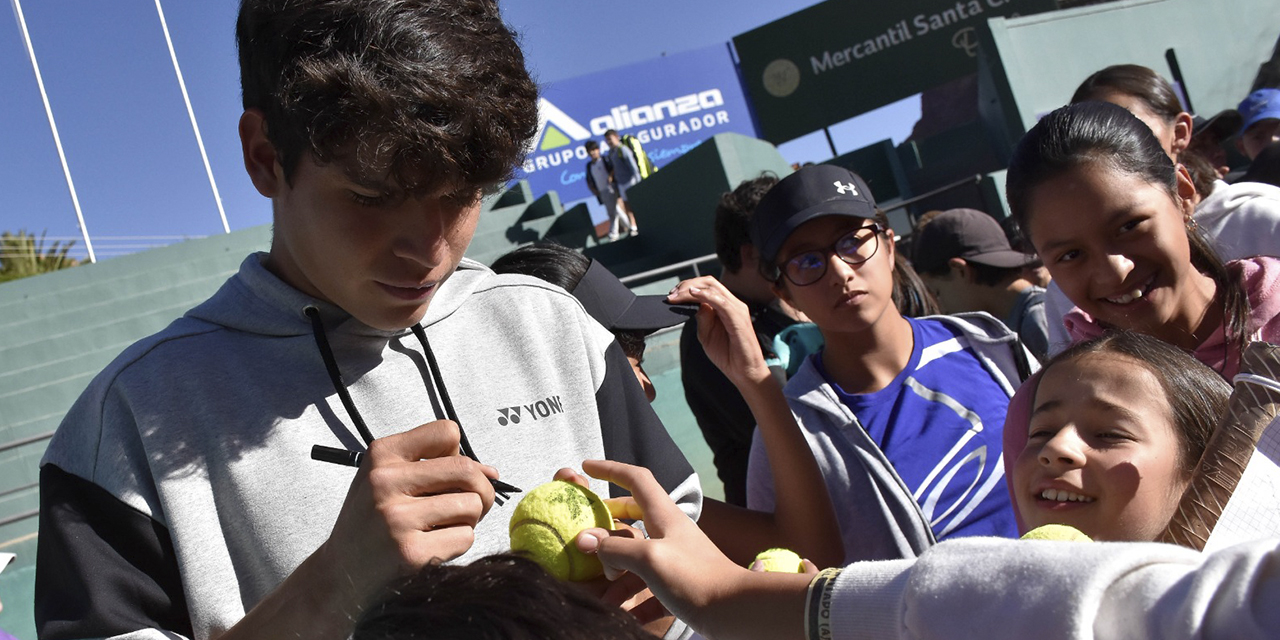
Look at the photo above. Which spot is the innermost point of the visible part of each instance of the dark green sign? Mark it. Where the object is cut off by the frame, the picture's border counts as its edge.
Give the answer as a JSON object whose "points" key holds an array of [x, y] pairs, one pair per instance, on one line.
{"points": [[841, 58]]}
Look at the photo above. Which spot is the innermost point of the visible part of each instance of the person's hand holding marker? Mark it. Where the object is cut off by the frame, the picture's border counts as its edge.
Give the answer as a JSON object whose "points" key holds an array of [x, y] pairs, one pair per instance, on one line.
{"points": [[684, 568], [414, 499]]}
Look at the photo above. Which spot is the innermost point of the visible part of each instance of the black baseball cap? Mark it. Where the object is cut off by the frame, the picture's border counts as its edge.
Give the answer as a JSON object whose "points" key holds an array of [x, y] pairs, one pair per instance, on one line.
{"points": [[613, 305], [964, 233], [812, 192]]}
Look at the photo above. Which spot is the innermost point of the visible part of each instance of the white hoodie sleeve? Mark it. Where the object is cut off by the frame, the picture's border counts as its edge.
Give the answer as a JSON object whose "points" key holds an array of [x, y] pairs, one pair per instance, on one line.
{"points": [[993, 589], [1241, 220]]}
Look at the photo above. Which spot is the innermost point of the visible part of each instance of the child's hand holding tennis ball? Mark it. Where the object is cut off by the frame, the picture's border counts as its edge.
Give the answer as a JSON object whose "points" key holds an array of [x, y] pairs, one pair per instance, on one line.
{"points": [[549, 518], [684, 568]]}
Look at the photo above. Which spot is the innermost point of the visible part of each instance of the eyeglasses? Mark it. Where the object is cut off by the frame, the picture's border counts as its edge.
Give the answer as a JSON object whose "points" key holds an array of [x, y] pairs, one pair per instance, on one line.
{"points": [[854, 248]]}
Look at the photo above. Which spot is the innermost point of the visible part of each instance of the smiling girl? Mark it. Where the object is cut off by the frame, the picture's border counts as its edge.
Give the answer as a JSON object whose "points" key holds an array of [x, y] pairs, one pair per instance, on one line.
{"points": [[1117, 426], [1110, 215], [1238, 220]]}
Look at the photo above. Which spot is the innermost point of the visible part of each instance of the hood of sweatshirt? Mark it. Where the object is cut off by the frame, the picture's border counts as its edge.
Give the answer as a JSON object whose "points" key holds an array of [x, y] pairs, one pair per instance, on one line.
{"points": [[1226, 198], [278, 308]]}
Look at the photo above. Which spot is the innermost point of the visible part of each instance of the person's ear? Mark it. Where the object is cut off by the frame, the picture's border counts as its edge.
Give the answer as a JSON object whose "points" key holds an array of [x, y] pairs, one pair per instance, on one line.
{"points": [[749, 256], [781, 291], [260, 158], [1186, 193], [1182, 129], [892, 246], [960, 269]]}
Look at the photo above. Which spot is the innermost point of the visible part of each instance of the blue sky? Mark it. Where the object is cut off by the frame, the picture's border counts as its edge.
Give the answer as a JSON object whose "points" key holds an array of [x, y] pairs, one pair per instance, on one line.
{"points": [[130, 147]]}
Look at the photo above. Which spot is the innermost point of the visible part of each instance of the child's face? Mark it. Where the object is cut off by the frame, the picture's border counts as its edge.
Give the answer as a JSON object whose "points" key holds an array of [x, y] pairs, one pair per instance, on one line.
{"points": [[848, 298], [594, 154], [1102, 452], [1118, 247], [371, 250]]}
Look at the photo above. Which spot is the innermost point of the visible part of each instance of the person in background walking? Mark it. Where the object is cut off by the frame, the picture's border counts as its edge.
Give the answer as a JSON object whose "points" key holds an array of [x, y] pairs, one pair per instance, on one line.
{"points": [[626, 173]]}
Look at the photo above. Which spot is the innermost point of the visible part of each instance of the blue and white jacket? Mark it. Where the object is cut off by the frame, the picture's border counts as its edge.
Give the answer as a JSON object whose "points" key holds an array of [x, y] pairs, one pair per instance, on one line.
{"points": [[879, 517]]}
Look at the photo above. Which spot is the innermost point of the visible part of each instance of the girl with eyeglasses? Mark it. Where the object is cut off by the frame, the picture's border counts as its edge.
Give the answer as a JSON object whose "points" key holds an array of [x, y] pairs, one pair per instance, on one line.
{"points": [[904, 415]]}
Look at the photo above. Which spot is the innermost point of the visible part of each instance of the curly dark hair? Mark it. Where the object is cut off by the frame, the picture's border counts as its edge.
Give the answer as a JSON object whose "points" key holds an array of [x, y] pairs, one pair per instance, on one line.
{"points": [[432, 94], [733, 218], [500, 597]]}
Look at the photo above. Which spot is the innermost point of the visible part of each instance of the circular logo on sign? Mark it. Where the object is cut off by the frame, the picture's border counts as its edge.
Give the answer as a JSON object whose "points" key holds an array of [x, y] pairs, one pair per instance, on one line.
{"points": [[967, 40], [781, 78]]}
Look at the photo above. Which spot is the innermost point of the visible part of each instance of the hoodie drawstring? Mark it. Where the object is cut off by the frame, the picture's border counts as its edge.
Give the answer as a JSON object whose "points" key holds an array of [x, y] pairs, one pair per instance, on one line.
{"points": [[444, 393], [335, 376], [340, 386]]}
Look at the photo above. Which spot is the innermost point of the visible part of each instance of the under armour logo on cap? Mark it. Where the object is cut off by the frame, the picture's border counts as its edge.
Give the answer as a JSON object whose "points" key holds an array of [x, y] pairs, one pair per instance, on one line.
{"points": [[803, 196], [844, 188]]}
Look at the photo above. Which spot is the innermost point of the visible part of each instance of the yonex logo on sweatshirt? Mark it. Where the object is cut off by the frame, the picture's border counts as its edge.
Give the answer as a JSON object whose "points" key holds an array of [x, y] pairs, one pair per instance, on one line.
{"points": [[535, 410]]}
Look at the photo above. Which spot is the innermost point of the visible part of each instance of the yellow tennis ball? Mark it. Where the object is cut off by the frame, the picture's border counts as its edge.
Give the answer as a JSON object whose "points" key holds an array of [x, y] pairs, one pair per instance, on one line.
{"points": [[781, 561], [546, 521], [1061, 532]]}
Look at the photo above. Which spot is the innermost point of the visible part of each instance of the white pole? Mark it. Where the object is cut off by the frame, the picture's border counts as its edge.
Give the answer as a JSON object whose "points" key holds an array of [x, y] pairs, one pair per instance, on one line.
{"points": [[192, 115], [57, 141]]}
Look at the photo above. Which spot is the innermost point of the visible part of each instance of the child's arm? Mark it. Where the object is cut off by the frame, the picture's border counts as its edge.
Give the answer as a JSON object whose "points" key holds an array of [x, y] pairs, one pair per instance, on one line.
{"points": [[686, 571], [804, 519], [991, 588]]}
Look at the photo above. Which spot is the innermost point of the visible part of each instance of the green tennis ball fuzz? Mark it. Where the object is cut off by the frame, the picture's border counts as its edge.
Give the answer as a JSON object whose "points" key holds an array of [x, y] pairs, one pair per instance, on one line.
{"points": [[1061, 532], [780, 561], [546, 522]]}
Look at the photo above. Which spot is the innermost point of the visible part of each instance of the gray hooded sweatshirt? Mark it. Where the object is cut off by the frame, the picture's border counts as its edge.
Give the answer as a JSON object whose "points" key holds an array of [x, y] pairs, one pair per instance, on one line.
{"points": [[179, 489]]}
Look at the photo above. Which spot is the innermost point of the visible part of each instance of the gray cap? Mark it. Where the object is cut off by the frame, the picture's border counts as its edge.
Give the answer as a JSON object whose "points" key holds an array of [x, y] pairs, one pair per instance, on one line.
{"points": [[964, 233]]}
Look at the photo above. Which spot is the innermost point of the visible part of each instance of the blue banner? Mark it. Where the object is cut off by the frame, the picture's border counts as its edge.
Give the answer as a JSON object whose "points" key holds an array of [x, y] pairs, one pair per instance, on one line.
{"points": [[670, 104]]}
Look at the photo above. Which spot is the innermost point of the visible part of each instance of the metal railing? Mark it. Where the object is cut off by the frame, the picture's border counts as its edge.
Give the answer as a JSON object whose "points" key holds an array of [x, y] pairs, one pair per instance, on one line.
{"points": [[14, 444], [671, 268], [19, 517]]}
